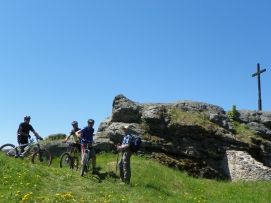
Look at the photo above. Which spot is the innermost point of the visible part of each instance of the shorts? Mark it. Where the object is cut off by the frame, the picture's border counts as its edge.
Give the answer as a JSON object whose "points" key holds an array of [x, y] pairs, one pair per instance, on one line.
{"points": [[22, 139]]}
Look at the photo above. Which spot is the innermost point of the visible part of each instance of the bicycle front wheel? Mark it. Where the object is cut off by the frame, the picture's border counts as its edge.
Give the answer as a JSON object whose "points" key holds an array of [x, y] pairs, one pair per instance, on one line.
{"points": [[84, 164], [8, 149], [75, 163], [65, 160], [42, 157]]}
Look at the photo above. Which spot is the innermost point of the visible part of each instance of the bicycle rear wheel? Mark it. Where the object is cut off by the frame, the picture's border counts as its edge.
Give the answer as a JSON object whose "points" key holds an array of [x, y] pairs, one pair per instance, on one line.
{"points": [[42, 157], [65, 160], [84, 164], [8, 149]]}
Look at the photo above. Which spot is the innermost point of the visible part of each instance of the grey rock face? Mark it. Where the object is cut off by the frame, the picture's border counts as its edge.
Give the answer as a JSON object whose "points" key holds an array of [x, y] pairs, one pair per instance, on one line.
{"points": [[263, 117], [241, 166], [198, 148], [124, 110]]}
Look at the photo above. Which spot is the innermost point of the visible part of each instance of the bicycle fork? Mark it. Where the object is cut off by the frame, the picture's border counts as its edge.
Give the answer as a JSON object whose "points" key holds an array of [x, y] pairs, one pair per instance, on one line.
{"points": [[40, 153]]}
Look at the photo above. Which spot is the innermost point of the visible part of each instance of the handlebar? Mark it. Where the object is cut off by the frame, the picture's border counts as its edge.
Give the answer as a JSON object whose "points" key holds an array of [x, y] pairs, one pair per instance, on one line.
{"points": [[37, 138], [69, 143], [91, 142]]}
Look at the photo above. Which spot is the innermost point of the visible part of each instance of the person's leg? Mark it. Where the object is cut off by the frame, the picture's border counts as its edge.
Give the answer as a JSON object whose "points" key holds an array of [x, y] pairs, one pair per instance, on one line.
{"points": [[120, 166], [94, 162], [82, 153], [127, 166], [78, 147], [93, 157], [23, 141]]}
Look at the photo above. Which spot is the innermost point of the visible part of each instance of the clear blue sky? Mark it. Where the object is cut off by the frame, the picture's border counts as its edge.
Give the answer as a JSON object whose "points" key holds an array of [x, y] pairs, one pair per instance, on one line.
{"points": [[66, 60]]}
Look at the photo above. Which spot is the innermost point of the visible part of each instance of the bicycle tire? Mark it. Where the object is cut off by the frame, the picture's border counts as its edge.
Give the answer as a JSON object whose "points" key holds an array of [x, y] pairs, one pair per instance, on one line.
{"points": [[84, 165], [75, 162], [65, 160], [45, 159], [8, 149]]}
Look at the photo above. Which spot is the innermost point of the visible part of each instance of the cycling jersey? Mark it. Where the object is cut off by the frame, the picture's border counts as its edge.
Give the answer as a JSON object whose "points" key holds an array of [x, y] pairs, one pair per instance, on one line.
{"points": [[87, 134], [73, 133], [25, 127]]}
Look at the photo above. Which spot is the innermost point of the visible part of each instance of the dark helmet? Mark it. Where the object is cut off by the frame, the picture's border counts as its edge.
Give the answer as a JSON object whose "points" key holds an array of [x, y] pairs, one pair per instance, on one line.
{"points": [[90, 121], [74, 123], [27, 117]]}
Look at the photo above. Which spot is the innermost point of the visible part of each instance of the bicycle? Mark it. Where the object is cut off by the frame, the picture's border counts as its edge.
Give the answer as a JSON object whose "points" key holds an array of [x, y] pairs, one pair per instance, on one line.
{"points": [[85, 158], [40, 156], [70, 157]]}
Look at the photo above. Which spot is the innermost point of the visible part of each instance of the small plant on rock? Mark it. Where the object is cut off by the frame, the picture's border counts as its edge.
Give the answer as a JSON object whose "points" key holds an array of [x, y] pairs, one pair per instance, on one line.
{"points": [[233, 114]]}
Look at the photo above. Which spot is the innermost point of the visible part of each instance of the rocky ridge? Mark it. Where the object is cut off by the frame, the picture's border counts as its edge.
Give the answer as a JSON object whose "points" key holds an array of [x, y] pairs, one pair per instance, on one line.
{"points": [[197, 137]]}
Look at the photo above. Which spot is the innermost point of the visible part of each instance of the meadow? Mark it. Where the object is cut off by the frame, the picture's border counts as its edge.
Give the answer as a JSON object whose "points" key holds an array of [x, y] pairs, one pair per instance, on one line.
{"points": [[22, 182]]}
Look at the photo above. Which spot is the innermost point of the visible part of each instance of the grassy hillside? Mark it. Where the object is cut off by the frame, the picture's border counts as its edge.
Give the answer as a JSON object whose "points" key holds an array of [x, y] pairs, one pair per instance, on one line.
{"points": [[23, 182]]}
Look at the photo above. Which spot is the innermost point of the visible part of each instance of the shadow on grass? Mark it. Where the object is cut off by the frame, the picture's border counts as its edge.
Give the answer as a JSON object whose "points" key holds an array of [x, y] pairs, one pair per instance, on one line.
{"points": [[100, 177]]}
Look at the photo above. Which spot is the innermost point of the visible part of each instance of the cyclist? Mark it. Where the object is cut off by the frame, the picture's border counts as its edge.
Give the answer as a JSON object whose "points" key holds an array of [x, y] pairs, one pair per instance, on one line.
{"points": [[87, 134], [23, 133], [77, 141]]}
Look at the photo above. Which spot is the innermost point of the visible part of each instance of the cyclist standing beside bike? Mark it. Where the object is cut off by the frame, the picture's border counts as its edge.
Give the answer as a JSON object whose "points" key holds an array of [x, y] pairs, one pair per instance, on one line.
{"points": [[87, 134], [23, 133], [75, 129]]}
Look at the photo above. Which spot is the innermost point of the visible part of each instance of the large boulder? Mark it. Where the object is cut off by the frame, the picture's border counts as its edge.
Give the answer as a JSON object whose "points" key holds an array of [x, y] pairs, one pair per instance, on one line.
{"points": [[189, 135]]}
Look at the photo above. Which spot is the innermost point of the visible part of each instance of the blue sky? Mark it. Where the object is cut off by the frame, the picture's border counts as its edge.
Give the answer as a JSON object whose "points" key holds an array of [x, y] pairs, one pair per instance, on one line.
{"points": [[66, 60]]}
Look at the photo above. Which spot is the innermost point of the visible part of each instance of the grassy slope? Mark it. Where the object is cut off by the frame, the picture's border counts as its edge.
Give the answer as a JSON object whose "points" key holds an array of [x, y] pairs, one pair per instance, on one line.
{"points": [[23, 182]]}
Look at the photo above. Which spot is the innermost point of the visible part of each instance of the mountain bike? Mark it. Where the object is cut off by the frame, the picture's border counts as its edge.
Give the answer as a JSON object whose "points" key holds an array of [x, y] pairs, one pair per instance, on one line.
{"points": [[70, 158], [86, 157], [40, 156]]}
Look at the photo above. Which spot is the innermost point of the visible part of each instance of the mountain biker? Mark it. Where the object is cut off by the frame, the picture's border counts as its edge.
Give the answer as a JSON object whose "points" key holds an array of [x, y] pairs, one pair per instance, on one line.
{"points": [[77, 141], [87, 134], [23, 133]]}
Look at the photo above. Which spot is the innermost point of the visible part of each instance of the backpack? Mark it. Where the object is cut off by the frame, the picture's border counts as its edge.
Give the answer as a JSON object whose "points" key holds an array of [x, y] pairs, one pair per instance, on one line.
{"points": [[135, 145]]}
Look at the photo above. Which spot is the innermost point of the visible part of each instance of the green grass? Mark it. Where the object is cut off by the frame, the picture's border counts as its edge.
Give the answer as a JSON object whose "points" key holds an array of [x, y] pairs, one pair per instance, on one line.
{"points": [[243, 133], [185, 118], [151, 182]]}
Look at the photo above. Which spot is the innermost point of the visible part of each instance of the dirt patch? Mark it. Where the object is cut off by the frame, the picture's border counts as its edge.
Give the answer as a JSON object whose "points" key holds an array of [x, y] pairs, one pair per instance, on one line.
{"points": [[112, 164]]}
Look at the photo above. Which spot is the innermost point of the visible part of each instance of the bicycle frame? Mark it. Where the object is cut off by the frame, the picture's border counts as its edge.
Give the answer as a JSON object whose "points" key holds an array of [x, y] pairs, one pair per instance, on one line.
{"points": [[85, 164], [30, 146], [87, 151], [72, 149]]}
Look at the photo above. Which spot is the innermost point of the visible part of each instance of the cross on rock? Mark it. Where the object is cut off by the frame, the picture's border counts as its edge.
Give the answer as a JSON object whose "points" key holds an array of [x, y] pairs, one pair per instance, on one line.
{"points": [[259, 85]]}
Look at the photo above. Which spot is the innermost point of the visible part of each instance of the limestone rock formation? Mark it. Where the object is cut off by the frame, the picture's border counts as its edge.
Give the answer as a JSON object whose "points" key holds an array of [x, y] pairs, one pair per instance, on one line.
{"points": [[193, 136]]}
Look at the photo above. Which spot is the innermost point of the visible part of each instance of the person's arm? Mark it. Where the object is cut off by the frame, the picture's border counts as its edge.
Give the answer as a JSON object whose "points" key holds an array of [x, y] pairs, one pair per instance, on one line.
{"points": [[123, 147], [119, 147], [68, 137], [37, 135], [22, 133], [78, 133]]}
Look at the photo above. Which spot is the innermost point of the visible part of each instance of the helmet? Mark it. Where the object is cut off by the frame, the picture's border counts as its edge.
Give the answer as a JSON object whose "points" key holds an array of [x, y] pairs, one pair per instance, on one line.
{"points": [[90, 121], [74, 123], [27, 117]]}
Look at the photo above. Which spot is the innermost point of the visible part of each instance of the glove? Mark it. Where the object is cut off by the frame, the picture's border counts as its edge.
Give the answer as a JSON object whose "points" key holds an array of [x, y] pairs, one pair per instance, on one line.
{"points": [[29, 136]]}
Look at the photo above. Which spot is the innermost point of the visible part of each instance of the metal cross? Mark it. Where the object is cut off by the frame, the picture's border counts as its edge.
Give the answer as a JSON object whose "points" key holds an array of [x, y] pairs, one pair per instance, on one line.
{"points": [[259, 85]]}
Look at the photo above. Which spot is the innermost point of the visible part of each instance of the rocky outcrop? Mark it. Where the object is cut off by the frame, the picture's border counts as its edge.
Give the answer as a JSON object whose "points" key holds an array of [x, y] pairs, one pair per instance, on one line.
{"points": [[241, 166], [192, 136]]}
